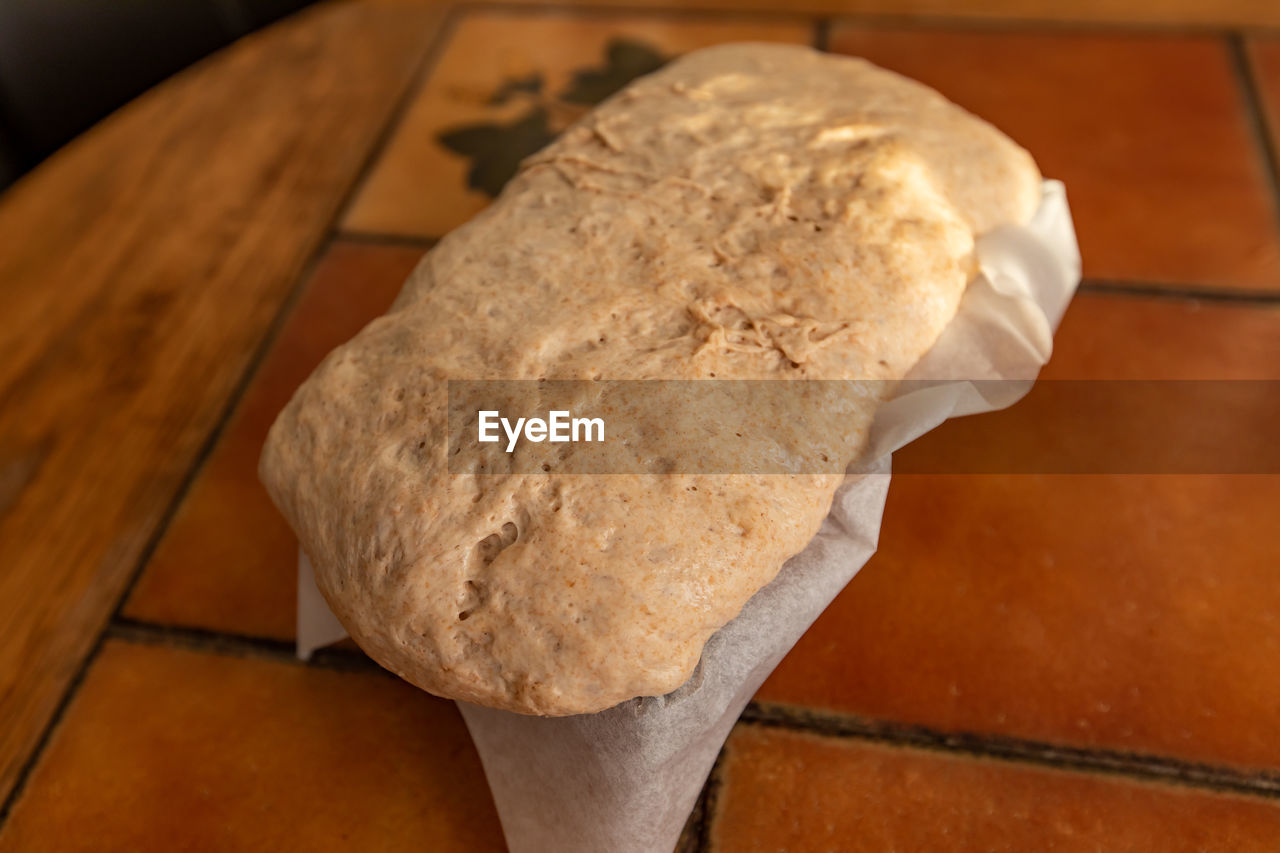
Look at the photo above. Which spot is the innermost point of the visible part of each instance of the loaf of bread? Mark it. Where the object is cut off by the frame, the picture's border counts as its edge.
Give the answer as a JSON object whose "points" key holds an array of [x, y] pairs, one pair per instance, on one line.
{"points": [[748, 212]]}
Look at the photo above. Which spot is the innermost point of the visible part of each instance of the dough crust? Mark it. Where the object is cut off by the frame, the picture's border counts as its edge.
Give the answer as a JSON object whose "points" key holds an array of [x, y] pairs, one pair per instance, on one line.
{"points": [[750, 211]]}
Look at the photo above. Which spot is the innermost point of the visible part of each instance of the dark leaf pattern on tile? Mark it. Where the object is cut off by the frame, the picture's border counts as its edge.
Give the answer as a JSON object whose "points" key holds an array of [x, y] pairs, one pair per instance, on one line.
{"points": [[625, 61], [529, 84], [496, 149]]}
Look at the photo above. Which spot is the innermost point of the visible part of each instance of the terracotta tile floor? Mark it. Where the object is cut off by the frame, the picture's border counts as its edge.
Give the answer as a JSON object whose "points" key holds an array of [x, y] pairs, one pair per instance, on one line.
{"points": [[783, 790], [1031, 629], [1132, 612], [245, 583], [1149, 133], [169, 748], [488, 51]]}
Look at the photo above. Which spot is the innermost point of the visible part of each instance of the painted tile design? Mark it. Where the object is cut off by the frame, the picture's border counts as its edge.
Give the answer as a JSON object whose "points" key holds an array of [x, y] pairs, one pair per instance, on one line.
{"points": [[504, 86]]}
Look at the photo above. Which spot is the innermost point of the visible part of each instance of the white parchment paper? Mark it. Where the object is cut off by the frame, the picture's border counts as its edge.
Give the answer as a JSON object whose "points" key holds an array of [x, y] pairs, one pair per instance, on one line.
{"points": [[626, 779]]}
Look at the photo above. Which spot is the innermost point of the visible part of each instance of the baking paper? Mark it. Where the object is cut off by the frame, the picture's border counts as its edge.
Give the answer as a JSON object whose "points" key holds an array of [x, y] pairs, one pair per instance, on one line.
{"points": [[625, 780]]}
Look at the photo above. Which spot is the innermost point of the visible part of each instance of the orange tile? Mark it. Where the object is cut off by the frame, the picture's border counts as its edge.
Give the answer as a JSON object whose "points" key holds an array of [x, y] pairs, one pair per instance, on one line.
{"points": [[789, 791], [1129, 612], [168, 749], [1111, 336], [420, 187], [1073, 424], [228, 560], [1149, 133]]}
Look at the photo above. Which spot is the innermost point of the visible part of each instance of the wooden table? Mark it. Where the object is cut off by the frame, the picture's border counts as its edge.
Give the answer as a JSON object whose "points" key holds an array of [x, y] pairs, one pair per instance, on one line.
{"points": [[993, 676]]}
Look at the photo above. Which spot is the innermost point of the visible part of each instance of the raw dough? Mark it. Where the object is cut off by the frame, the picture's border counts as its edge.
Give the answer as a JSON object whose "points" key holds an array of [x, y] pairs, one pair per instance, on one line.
{"points": [[750, 211]]}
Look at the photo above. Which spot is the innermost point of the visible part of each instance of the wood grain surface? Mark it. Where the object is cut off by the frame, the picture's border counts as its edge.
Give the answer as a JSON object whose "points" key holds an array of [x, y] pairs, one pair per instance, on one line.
{"points": [[141, 268]]}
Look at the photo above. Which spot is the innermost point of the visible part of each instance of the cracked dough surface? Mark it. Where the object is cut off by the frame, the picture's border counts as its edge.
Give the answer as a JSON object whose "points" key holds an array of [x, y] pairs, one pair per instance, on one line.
{"points": [[748, 212]]}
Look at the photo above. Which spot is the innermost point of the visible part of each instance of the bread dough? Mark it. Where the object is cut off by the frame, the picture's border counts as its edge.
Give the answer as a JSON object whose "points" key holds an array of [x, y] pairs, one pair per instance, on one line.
{"points": [[750, 211]]}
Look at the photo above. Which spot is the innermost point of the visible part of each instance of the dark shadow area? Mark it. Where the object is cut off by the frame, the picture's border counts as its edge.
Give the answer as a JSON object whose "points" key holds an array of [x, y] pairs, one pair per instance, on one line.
{"points": [[66, 64]]}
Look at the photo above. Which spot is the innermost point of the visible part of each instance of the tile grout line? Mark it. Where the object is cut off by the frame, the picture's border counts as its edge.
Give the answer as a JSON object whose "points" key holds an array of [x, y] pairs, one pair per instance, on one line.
{"points": [[234, 398], [162, 525], [417, 81], [1033, 26], [1133, 766], [1169, 290], [696, 837], [64, 702], [1129, 765], [882, 20], [822, 35], [380, 238], [328, 235], [1257, 115], [623, 10], [209, 641], [710, 799], [256, 356], [690, 840], [313, 256]]}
